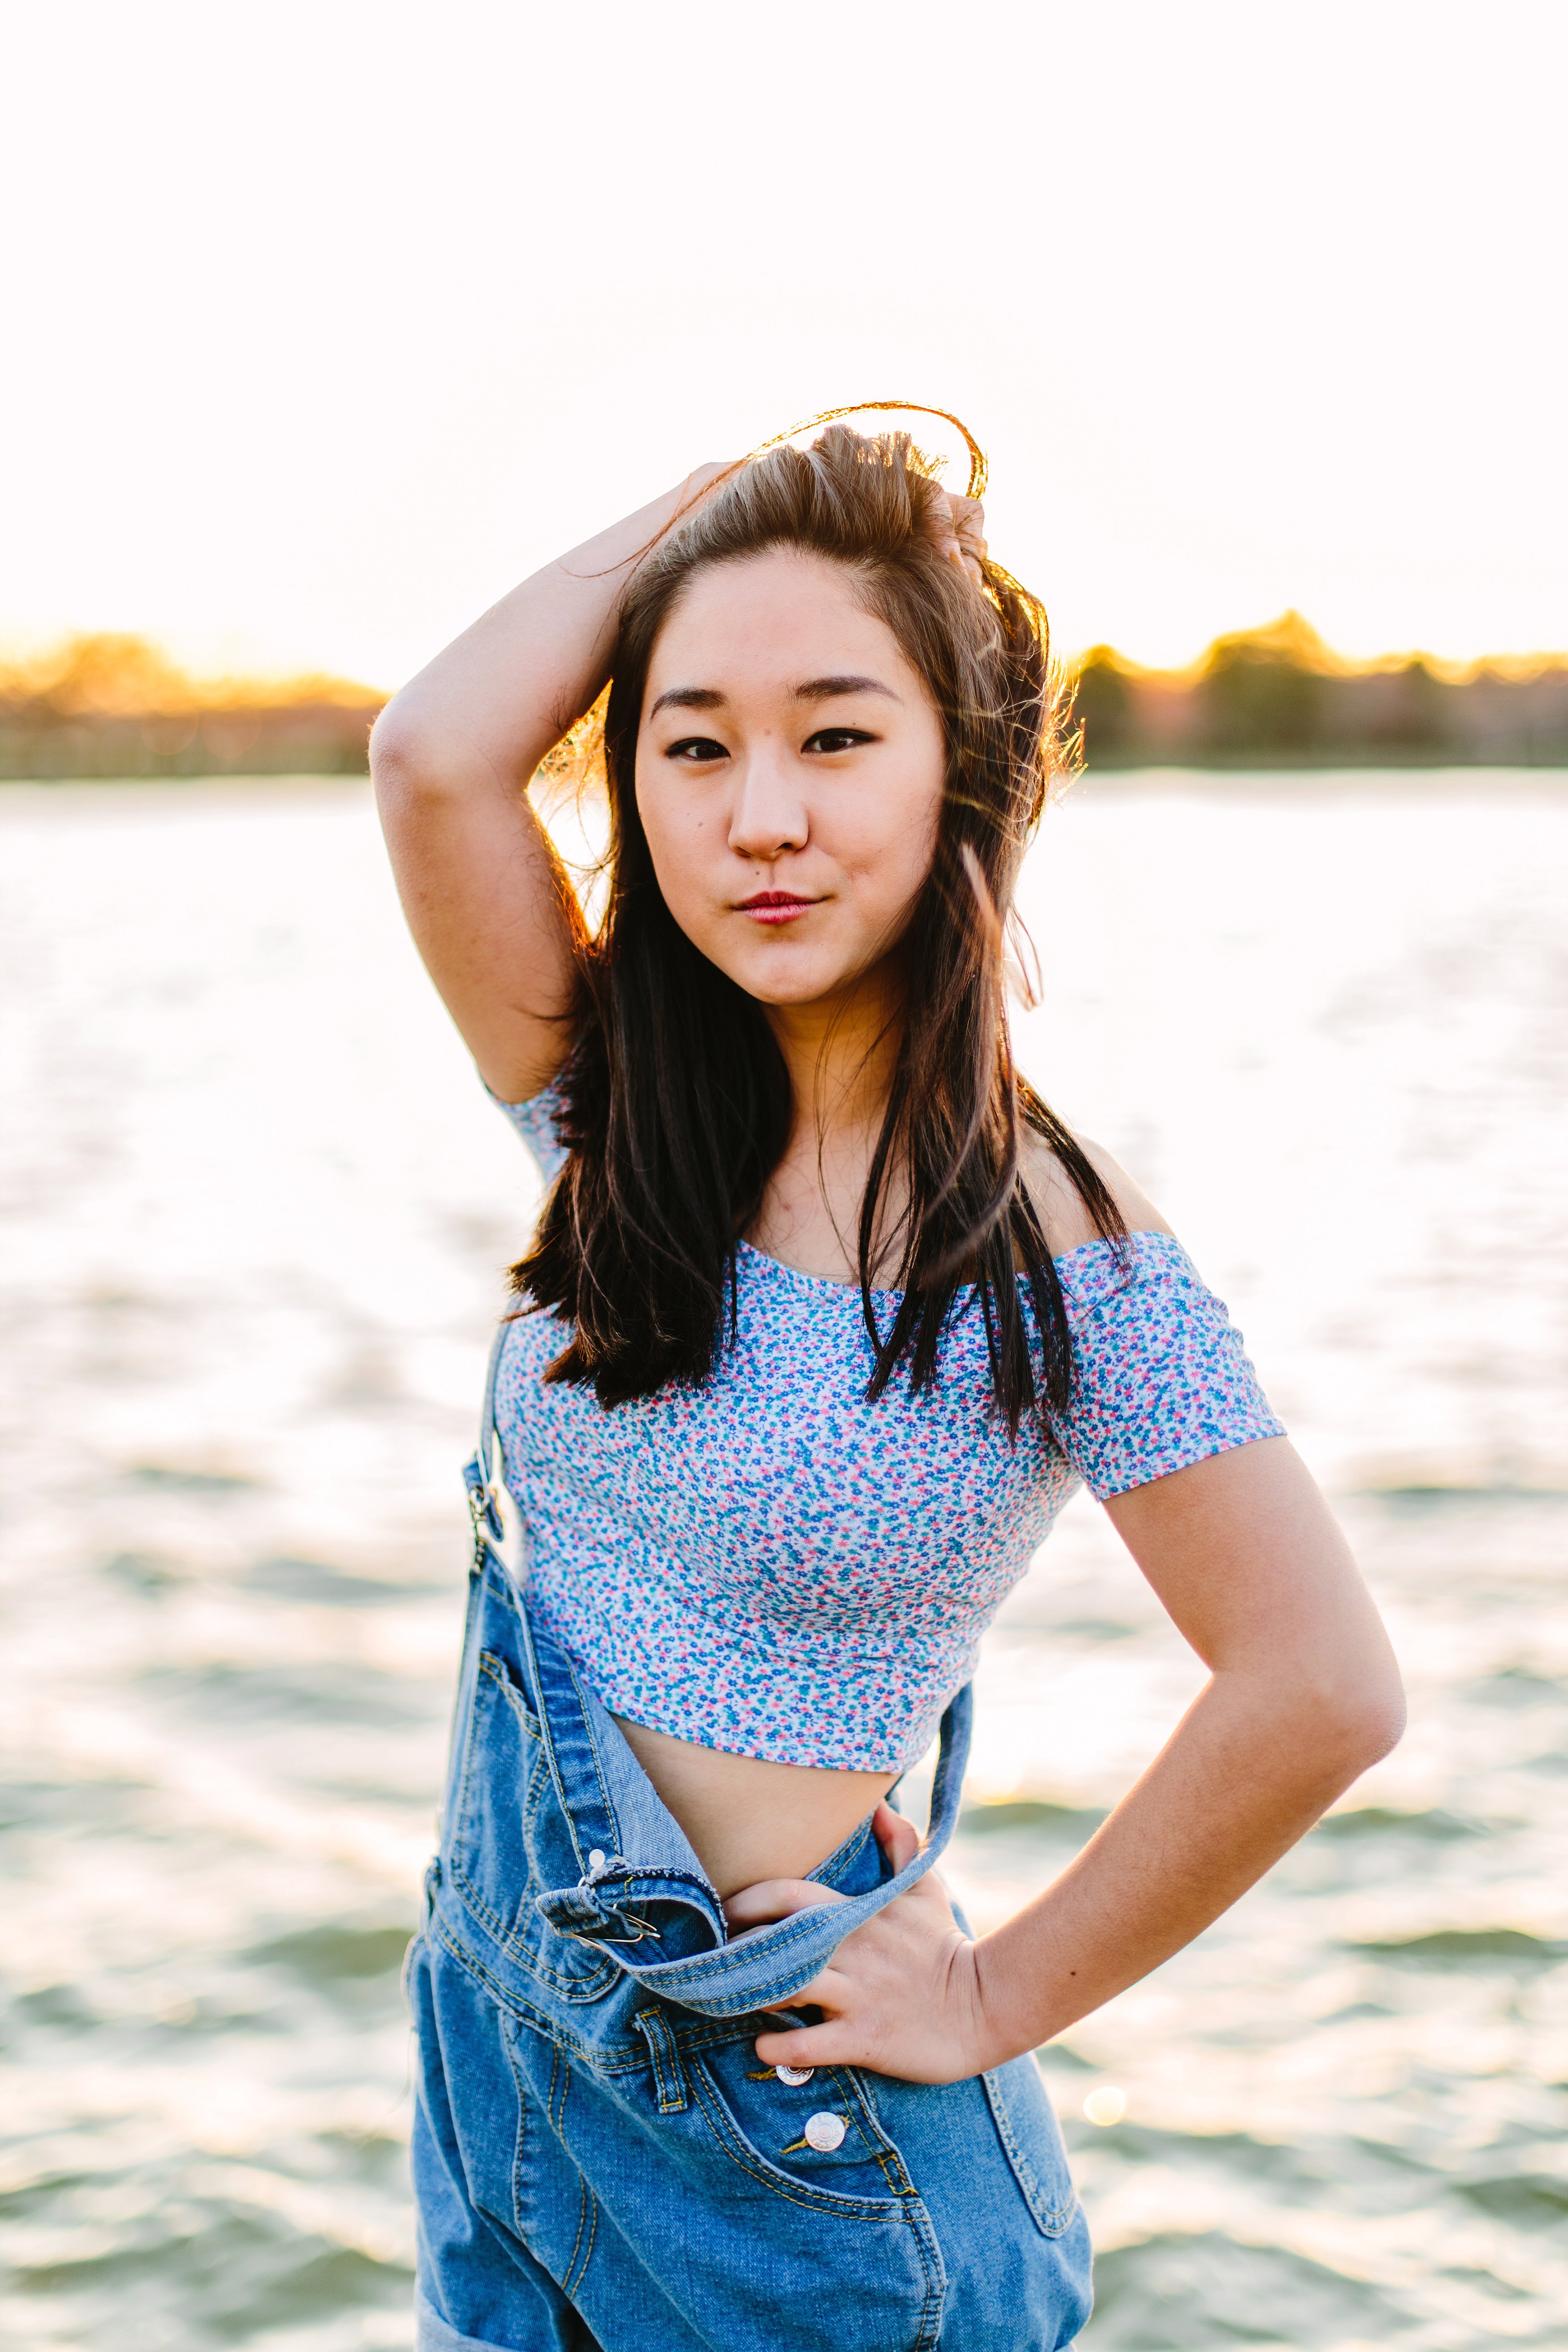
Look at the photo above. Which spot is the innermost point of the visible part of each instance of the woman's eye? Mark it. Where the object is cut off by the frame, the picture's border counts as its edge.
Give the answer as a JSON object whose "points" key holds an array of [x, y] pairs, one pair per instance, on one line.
{"points": [[697, 748], [838, 739]]}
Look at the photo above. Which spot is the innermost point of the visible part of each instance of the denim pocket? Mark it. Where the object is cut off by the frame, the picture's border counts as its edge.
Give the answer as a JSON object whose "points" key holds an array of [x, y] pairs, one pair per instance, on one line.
{"points": [[828, 2248], [506, 1812], [1031, 2140], [761, 2123]]}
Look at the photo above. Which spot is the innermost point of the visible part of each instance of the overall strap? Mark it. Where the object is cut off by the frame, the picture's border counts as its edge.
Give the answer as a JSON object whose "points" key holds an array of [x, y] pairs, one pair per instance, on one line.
{"points": [[586, 1805], [951, 1761], [498, 1522], [760, 1970], [767, 1967]]}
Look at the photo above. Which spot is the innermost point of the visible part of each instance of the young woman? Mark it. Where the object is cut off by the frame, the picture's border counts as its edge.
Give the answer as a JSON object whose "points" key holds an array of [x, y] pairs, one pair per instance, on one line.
{"points": [[825, 1317]]}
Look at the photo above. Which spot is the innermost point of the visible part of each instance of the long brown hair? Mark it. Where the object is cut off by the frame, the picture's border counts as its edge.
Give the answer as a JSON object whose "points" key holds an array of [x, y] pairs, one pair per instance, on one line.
{"points": [[675, 1102]]}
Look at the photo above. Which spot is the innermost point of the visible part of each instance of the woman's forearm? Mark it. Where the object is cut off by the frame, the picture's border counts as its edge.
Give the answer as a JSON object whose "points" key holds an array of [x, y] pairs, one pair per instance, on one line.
{"points": [[1304, 1696], [452, 758], [1248, 1770], [502, 695]]}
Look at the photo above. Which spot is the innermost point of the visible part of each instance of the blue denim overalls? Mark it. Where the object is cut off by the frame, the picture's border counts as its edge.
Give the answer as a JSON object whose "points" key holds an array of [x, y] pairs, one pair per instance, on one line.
{"points": [[601, 2160]]}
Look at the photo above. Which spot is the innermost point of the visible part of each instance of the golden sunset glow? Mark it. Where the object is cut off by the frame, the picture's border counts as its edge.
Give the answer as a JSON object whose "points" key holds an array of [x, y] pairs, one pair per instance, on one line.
{"points": [[1161, 1026], [340, 319]]}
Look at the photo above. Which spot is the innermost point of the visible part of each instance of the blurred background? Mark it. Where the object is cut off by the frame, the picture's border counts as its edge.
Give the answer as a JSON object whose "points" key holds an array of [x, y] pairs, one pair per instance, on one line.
{"points": [[326, 324]]}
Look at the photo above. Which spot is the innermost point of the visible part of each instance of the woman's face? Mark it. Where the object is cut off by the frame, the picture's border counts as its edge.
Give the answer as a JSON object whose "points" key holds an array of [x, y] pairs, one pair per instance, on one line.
{"points": [[789, 776]]}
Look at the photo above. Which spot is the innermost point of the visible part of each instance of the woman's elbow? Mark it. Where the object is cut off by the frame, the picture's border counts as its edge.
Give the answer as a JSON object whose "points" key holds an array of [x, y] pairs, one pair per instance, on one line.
{"points": [[1358, 1721], [409, 762], [398, 753], [1324, 1728]]}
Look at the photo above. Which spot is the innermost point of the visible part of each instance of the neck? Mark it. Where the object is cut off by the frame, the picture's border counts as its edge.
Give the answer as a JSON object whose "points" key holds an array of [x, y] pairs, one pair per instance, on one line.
{"points": [[840, 1053]]}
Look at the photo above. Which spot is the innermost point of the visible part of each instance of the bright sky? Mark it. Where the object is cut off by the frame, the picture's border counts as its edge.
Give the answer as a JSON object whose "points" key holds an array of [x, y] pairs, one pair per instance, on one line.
{"points": [[329, 319]]}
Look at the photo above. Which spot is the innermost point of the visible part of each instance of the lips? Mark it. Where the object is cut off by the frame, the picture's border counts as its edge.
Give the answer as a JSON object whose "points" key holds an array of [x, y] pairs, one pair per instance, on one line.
{"points": [[776, 906]]}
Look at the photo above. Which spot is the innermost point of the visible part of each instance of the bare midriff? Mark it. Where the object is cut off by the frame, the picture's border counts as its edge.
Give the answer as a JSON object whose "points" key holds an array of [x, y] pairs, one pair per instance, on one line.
{"points": [[748, 1819]]}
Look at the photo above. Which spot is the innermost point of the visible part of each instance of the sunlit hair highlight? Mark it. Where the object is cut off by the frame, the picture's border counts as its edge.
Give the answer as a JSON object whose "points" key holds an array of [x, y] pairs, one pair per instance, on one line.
{"points": [[676, 1104]]}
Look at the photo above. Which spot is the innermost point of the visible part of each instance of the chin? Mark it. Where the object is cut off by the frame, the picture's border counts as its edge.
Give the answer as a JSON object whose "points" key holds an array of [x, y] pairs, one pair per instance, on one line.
{"points": [[782, 979], [776, 967], [779, 988]]}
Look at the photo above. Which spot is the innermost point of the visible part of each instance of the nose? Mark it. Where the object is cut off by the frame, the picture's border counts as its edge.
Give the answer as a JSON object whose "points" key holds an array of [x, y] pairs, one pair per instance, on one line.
{"points": [[770, 815]]}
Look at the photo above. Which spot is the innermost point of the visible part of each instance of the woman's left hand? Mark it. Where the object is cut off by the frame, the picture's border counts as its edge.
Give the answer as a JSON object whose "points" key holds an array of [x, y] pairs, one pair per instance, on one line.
{"points": [[900, 1995], [959, 527]]}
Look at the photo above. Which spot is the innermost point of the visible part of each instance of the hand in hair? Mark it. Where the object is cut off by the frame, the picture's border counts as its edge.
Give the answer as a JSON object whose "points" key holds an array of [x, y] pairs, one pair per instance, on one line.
{"points": [[959, 528], [453, 756]]}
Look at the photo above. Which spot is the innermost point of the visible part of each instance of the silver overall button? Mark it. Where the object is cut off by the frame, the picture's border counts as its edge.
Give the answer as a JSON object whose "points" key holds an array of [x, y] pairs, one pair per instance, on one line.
{"points": [[825, 2132], [794, 2075]]}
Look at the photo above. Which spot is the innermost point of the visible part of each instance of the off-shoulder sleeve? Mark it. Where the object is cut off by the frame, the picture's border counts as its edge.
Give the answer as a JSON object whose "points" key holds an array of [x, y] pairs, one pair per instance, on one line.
{"points": [[535, 1121], [1160, 1376]]}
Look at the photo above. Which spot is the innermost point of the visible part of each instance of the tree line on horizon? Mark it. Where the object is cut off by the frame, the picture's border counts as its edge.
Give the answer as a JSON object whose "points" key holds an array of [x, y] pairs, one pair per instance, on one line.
{"points": [[112, 706], [1278, 698]]}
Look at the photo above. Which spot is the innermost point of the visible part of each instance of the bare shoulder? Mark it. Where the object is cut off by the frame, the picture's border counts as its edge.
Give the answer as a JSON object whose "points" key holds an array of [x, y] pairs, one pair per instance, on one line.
{"points": [[1061, 1205]]}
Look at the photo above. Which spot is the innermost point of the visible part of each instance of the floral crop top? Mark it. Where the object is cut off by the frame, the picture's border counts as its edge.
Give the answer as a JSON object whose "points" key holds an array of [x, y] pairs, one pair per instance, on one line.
{"points": [[770, 1564]]}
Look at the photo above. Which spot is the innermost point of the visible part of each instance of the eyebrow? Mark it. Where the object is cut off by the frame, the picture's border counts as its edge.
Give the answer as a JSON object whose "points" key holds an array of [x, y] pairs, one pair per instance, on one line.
{"points": [[815, 689], [687, 697], [824, 690]]}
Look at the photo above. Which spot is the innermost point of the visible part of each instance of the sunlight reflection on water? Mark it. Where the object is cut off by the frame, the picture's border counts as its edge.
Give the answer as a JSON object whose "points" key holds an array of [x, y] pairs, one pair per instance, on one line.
{"points": [[254, 1210]]}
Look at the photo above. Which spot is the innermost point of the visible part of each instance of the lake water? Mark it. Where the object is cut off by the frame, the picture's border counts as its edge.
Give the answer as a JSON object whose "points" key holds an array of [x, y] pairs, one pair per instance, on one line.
{"points": [[254, 1211]]}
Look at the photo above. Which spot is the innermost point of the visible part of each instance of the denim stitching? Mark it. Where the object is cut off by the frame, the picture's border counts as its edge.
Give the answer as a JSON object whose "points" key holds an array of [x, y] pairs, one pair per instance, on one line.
{"points": [[751, 2161], [885, 2151], [668, 2073], [587, 2203], [810, 1923], [470, 1743], [587, 1986], [915, 2208], [514, 1699], [470, 1617], [593, 1752], [518, 2005], [754, 1976], [926, 2246], [619, 2058], [695, 1973], [907, 2207], [826, 1874], [526, 1632], [1052, 2220], [587, 2219], [509, 2046]]}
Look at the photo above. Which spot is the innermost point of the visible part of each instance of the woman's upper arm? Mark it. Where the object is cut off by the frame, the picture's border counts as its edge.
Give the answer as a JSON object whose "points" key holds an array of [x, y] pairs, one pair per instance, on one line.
{"points": [[1170, 1427], [452, 756], [1253, 1569], [490, 909]]}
